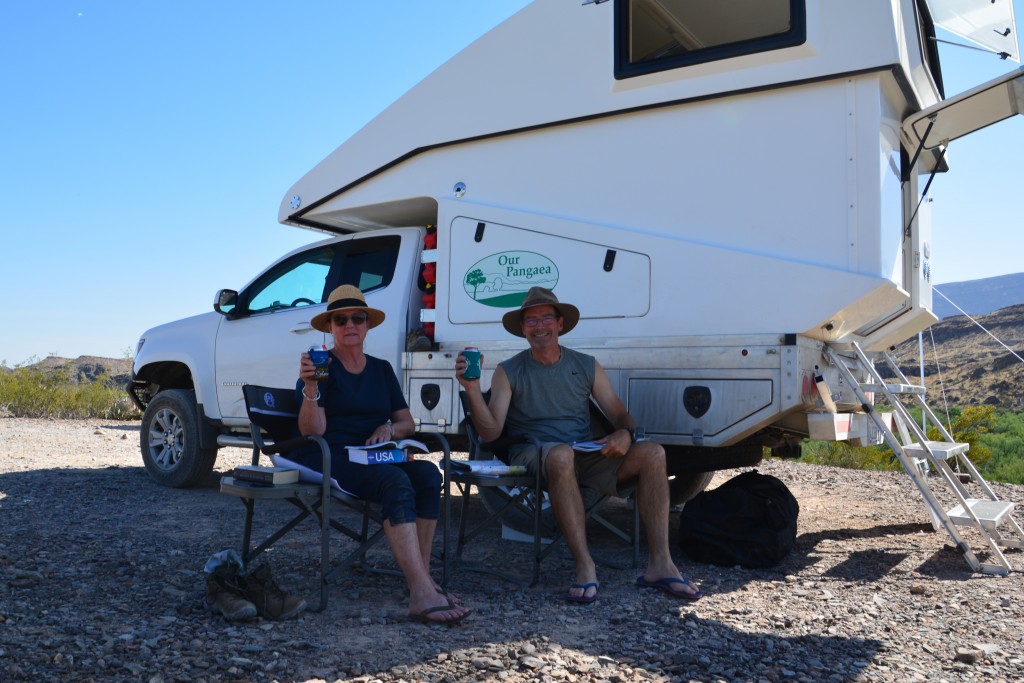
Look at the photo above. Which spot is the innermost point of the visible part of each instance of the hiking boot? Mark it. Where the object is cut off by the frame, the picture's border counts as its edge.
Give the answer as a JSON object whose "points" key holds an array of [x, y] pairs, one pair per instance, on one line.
{"points": [[271, 602], [224, 595]]}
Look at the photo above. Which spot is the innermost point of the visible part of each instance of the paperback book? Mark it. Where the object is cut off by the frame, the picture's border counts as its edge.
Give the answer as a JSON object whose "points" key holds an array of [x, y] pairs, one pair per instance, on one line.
{"points": [[384, 453]]}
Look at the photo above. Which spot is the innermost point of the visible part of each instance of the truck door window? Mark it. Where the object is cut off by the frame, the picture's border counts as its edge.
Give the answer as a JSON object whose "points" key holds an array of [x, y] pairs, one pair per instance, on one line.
{"points": [[656, 35], [298, 281], [369, 264]]}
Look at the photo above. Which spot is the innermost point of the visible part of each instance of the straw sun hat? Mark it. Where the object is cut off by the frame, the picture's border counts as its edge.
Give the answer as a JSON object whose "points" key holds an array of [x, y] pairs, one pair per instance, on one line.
{"points": [[347, 297]]}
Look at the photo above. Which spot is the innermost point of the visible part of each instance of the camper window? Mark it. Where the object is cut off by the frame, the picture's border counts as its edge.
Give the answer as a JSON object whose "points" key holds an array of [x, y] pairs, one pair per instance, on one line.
{"points": [[655, 35]]}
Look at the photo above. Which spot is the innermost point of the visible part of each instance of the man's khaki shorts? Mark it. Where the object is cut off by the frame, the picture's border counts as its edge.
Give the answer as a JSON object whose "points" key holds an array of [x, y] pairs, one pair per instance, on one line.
{"points": [[593, 470]]}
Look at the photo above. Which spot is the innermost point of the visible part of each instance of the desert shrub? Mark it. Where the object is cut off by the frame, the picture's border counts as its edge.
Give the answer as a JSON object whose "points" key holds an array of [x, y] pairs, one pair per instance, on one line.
{"points": [[30, 391], [1005, 441], [842, 454], [996, 440]]}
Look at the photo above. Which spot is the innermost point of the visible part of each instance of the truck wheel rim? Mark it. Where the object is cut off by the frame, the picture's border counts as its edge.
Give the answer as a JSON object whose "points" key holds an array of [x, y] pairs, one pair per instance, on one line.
{"points": [[166, 439]]}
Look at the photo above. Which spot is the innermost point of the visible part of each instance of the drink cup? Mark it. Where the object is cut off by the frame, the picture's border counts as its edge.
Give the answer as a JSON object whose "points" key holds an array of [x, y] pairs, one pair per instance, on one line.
{"points": [[319, 358], [472, 356]]}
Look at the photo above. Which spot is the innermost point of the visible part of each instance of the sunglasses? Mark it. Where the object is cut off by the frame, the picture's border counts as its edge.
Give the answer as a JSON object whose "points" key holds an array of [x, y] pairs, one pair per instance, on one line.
{"points": [[342, 320], [543, 320]]}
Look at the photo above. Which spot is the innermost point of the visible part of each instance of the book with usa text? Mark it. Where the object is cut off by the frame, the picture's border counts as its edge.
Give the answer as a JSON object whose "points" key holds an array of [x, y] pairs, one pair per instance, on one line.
{"points": [[385, 453]]}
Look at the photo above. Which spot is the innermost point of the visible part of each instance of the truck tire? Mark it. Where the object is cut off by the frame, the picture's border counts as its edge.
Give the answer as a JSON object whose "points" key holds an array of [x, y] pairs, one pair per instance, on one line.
{"points": [[170, 440], [684, 487]]}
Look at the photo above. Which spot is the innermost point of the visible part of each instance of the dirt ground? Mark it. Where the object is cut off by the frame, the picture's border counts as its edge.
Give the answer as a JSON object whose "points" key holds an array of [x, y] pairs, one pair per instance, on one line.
{"points": [[101, 580]]}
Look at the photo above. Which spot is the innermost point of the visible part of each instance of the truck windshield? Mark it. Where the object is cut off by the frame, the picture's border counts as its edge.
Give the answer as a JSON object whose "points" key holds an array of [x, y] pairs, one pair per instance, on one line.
{"points": [[655, 35]]}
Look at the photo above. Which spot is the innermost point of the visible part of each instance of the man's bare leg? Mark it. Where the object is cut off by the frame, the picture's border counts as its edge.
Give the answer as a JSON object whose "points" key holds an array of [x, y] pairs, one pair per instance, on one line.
{"points": [[566, 501], [645, 462]]}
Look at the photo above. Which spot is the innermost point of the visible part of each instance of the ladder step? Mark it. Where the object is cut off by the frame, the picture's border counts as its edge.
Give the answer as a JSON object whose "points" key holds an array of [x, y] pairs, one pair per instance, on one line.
{"points": [[894, 388], [989, 512], [940, 450]]}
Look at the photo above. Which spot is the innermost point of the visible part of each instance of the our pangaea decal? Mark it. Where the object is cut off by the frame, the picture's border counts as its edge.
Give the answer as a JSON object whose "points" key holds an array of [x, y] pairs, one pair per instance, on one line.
{"points": [[502, 280]]}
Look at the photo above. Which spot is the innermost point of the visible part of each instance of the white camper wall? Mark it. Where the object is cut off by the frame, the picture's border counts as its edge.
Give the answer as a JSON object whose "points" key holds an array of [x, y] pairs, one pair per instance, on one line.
{"points": [[552, 62]]}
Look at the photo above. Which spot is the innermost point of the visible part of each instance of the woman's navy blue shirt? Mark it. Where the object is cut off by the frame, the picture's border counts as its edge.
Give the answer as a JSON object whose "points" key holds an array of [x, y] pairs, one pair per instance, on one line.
{"points": [[355, 405]]}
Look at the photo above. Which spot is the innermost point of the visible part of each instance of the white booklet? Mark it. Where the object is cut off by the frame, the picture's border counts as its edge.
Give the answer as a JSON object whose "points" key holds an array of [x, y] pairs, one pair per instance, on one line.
{"points": [[593, 446], [486, 467]]}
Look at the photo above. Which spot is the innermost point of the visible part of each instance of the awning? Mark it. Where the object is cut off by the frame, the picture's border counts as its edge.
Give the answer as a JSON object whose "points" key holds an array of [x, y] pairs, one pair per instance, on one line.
{"points": [[970, 111]]}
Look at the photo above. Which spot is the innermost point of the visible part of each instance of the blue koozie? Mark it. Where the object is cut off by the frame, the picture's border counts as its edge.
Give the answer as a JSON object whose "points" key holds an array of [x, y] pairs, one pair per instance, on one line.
{"points": [[320, 358], [472, 356]]}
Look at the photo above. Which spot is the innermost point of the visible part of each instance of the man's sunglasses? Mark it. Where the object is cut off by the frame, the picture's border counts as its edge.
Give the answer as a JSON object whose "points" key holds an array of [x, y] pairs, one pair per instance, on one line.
{"points": [[342, 320]]}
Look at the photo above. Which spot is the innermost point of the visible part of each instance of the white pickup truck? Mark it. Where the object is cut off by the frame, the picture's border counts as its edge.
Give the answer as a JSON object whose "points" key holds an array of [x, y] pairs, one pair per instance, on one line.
{"points": [[724, 189]]}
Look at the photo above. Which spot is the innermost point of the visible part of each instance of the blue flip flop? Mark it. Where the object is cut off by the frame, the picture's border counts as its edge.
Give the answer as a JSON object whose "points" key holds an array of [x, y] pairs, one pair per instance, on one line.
{"points": [[583, 598], [665, 586]]}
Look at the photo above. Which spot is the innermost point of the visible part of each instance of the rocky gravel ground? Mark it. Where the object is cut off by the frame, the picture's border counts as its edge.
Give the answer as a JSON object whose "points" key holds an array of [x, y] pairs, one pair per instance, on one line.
{"points": [[101, 580]]}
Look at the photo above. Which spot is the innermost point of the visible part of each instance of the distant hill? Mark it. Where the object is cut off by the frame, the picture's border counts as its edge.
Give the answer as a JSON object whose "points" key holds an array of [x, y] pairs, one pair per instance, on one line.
{"points": [[979, 297], [966, 366], [89, 368]]}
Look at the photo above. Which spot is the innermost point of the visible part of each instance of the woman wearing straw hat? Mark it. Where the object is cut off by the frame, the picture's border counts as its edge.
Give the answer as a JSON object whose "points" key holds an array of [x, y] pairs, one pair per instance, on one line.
{"points": [[362, 403]]}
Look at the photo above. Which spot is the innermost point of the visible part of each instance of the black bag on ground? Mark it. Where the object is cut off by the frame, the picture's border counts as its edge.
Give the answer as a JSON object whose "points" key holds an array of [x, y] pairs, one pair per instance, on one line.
{"points": [[749, 520]]}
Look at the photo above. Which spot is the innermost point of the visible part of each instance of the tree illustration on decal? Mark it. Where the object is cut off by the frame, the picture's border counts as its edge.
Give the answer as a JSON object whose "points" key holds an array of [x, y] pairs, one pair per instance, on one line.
{"points": [[475, 278]]}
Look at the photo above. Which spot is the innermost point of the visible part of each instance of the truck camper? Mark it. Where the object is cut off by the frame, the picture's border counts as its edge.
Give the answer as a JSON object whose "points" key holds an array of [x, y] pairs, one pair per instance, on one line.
{"points": [[729, 192]]}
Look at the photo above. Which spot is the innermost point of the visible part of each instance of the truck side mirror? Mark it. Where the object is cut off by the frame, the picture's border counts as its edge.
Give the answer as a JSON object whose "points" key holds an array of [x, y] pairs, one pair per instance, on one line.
{"points": [[225, 300]]}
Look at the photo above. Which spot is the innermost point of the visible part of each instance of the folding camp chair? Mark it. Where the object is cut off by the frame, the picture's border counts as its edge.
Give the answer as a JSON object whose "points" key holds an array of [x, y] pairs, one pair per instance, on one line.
{"points": [[274, 412], [524, 493]]}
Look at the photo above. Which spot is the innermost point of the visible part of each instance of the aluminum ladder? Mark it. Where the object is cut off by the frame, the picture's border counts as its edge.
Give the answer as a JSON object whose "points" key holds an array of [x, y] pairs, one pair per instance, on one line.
{"points": [[985, 513]]}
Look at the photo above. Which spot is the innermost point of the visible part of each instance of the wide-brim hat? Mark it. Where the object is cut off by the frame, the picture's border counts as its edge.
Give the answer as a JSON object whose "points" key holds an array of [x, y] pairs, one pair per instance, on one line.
{"points": [[347, 297], [538, 296]]}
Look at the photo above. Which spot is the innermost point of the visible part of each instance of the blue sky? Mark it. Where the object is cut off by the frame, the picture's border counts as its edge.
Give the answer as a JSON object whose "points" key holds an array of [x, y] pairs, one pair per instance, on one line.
{"points": [[146, 146]]}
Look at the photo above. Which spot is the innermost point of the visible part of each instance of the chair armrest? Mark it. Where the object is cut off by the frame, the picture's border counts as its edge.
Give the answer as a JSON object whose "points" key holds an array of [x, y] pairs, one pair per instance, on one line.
{"points": [[499, 447], [288, 446], [427, 437]]}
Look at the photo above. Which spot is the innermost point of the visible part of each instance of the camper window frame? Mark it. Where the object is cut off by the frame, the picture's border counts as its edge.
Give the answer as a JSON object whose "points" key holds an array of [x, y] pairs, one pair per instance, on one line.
{"points": [[624, 68]]}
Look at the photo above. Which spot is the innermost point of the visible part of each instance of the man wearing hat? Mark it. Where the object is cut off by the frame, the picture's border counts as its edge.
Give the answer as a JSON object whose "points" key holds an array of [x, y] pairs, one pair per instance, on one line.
{"points": [[544, 392]]}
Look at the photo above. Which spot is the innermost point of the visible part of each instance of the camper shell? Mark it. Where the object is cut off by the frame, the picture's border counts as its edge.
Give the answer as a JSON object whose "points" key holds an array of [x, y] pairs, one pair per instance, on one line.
{"points": [[715, 216], [721, 188]]}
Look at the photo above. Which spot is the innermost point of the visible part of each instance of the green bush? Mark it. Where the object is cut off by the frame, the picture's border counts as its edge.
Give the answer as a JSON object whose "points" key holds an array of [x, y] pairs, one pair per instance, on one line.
{"points": [[842, 454], [30, 391], [996, 439]]}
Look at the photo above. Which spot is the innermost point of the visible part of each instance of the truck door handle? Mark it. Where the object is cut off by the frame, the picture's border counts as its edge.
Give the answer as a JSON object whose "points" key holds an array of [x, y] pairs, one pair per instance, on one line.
{"points": [[302, 327]]}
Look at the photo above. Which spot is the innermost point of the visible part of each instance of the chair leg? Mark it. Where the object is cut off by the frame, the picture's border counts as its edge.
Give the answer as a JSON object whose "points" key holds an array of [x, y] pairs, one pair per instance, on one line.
{"points": [[247, 529], [538, 529], [464, 536], [447, 513], [636, 534], [325, 549]]}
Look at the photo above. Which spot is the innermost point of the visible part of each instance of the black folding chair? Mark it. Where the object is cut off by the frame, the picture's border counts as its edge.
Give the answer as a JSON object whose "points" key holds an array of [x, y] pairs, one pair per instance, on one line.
{"points": [[273, 414], [523, 494]]}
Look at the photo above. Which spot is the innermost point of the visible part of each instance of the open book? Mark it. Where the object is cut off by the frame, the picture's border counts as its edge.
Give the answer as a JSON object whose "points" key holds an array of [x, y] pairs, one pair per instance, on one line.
{"points": [[385, 452], [486, 467]]}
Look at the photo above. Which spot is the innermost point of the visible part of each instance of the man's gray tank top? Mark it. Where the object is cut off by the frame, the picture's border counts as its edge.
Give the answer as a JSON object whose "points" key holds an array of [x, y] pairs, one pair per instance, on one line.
{"points": [[550, 402]]}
